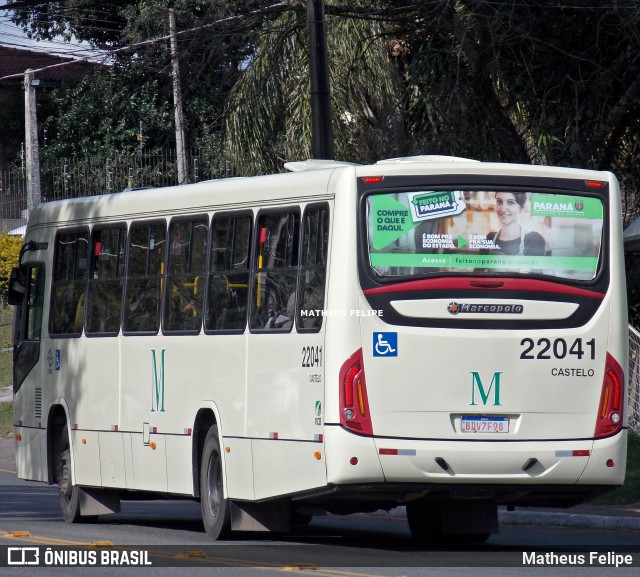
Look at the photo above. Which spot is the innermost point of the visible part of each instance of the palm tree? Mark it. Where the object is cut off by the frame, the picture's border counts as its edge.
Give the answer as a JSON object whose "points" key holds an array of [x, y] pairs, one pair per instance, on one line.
{"points": [[268, 113]]}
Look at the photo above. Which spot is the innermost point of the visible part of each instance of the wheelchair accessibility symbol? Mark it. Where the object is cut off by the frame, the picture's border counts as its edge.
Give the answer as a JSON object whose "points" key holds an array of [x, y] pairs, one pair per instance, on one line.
{"points": [[385, 344]]}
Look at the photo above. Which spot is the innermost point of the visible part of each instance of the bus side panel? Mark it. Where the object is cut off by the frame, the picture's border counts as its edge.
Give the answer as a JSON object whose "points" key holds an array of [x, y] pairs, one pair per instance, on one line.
{"points": [[89, 376], [283, 467], [238, 468], [179, 473], [150, 473], [112, 460], [85, 449], [165, 380], [31, 455]]}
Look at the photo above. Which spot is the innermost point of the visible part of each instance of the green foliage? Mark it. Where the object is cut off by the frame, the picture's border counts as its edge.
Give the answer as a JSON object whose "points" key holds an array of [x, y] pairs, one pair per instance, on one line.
{"points": [[509, 81], [92, 20], [108, 109], [6, 420], [630, 491], [6, 367], [104, 112], [9, 252], [268, 113]]}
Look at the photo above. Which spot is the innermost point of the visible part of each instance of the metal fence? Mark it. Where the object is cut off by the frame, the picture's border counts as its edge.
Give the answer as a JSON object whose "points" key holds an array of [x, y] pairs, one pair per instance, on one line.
{"points": [[87, 176], [634, 380]]}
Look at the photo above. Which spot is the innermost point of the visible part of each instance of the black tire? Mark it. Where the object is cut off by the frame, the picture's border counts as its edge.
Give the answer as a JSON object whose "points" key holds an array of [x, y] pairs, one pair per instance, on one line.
{"points": [[425, 524], [424, 521], [216, 510], [301, 519], [68, 492]]}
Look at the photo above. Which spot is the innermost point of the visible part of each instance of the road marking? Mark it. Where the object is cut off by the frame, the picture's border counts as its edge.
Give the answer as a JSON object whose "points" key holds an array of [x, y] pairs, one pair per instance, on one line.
{"points": [[304, 568], [28, 538], [7, 471]]}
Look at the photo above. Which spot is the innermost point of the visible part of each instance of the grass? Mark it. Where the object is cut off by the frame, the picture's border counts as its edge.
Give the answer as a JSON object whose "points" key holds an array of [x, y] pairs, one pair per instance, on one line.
{"points": [[6, 361], [6, 353], [6, 420]]}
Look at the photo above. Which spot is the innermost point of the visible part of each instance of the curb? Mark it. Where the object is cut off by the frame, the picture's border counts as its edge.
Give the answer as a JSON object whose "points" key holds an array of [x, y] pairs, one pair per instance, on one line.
{"points": [[584, 520], [557, 519]]}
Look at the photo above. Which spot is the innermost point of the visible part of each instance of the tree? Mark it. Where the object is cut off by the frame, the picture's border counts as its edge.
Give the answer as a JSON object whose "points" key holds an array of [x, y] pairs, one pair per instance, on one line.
{"points": [[99, 23], [268, 116], [9, 252], [105, 111], [550, 81]]}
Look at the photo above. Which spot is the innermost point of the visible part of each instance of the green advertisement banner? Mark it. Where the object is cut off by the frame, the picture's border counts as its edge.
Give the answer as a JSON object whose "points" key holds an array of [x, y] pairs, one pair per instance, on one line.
{"points": [[451, 230], [483, 261]]}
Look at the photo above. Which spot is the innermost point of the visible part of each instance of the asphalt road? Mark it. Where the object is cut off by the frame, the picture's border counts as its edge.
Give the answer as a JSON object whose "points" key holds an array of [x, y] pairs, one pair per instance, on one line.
{"points": [[171, 535]]}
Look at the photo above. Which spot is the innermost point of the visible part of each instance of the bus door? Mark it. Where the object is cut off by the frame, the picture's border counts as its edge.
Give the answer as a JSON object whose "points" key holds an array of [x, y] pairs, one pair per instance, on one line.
{"points": [[285, 364], [26, 291]]}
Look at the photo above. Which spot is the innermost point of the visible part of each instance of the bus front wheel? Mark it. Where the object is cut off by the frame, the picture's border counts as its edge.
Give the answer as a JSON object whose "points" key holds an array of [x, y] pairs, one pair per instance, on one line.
{"points": [[68, 492], [216, 510]]}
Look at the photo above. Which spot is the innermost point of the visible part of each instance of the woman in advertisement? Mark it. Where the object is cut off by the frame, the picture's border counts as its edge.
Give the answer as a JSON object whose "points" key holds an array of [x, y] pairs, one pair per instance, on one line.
{"points": [[511, 238]]}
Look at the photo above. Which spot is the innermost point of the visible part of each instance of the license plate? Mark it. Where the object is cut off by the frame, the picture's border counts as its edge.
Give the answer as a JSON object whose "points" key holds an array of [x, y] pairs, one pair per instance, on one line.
{"points": [[471, 424]]}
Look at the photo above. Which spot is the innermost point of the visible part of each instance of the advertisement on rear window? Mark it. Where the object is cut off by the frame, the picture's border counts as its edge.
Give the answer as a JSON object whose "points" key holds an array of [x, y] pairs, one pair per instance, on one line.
{"points": [[418, 232]]}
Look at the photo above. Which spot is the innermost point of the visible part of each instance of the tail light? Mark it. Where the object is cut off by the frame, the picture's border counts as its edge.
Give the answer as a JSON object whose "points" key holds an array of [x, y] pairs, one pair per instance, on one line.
{"points": [[354, 405], [609, 420]]}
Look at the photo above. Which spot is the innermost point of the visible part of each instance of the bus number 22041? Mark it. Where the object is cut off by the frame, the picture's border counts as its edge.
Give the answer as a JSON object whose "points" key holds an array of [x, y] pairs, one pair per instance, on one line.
{"points": [[557, 349], [311, 357]]}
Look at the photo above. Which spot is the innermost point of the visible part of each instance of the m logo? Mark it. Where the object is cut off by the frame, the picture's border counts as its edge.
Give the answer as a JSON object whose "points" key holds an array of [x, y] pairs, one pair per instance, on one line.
{"points": [[476, 385], [157, 382]]}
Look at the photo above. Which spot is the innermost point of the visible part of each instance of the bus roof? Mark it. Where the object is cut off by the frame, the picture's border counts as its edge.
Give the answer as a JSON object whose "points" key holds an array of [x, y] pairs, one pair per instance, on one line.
{"points": [[309, 179]]}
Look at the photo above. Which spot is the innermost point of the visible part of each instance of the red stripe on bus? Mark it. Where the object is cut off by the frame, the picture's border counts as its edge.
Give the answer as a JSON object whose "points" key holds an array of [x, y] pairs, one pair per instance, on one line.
{"points": [[460, 283]]}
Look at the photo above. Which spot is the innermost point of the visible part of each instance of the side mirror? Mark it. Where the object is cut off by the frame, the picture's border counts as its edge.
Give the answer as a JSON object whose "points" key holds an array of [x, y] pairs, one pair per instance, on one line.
{"points": [[17, 286]]}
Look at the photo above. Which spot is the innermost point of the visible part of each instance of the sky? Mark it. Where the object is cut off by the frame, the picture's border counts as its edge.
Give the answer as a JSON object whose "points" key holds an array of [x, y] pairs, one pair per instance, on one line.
{"points": [[13, 37]]}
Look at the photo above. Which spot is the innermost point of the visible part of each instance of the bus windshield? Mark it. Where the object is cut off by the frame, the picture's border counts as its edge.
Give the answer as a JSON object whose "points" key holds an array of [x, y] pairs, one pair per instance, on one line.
{"points": [[424, 232]]}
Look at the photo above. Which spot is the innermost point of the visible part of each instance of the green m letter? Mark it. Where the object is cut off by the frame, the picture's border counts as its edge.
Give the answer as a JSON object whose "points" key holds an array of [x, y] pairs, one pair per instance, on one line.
{"points": [[157, 386], [476, 383]]}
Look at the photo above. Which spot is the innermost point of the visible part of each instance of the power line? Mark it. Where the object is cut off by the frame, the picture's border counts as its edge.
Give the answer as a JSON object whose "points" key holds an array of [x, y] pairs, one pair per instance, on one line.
{"points": [[107, 53]]}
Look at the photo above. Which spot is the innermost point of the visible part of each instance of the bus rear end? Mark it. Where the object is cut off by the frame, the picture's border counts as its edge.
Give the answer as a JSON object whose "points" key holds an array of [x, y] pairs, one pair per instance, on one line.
{"points": [[493, 371]]}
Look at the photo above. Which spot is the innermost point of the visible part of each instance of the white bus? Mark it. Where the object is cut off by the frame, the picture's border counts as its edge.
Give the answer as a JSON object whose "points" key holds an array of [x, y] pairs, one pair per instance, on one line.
{"points": [[430, 332]]}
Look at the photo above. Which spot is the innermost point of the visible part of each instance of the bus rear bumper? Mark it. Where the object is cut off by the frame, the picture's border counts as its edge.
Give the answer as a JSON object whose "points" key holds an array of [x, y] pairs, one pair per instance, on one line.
{"points": [[352, 458]]}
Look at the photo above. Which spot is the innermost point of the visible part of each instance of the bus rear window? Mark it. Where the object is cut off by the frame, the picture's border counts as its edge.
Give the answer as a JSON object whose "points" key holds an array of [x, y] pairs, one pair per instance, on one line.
{"points": [[426, 232]]}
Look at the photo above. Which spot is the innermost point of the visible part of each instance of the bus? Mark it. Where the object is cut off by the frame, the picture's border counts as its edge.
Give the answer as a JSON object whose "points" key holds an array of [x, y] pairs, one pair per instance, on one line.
{"points": [[435, 333]]}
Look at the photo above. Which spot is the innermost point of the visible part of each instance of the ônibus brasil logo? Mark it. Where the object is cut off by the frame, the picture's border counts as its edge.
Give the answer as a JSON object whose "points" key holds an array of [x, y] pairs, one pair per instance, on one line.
{"points": [[455, 308]]}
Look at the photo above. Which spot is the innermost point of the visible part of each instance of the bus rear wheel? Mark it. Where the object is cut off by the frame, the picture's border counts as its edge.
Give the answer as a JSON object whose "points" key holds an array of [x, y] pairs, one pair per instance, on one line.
{"points": [[216, 510], [425, 520]]}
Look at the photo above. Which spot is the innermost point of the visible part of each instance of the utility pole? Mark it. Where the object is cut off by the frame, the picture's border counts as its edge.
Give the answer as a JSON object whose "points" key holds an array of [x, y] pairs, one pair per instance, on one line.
{"points": [[34, 197], [321, 127], [177, 101]]}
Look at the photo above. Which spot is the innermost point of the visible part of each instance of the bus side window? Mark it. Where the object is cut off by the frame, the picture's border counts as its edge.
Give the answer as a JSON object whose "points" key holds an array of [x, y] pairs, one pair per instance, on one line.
{"points": [[104, 293], [69, 283], [228, 279], [276, 269], [313, 268], [28, 325], [145, 267], [184, 294]]}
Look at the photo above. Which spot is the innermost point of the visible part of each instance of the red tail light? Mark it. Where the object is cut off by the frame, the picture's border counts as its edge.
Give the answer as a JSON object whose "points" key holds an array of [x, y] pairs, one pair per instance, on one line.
{"points": [[354, 405], [372, 179], [609, 420]]}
